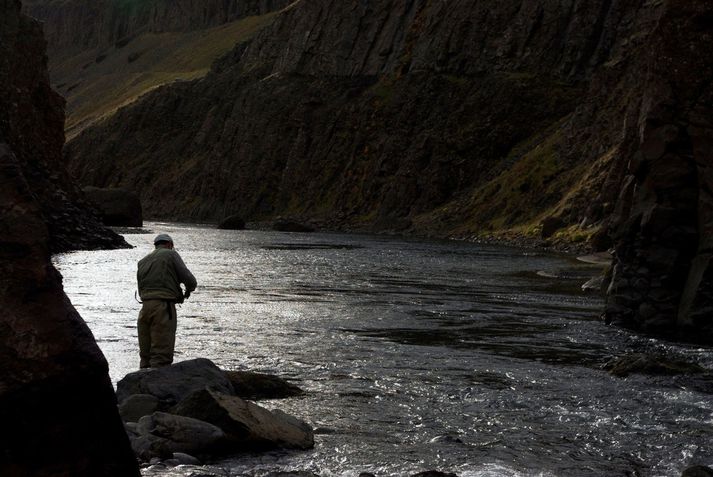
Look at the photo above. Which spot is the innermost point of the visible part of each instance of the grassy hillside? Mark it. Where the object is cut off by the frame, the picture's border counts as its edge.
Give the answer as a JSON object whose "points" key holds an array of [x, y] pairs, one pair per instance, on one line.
{"points": [[96, 83]]}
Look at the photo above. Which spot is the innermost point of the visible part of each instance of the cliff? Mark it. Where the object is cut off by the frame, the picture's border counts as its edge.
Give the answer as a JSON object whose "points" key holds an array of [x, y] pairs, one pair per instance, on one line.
{"points": [[32, 126], [57, 403], [662, 278], [77, 25], [105, 54], [454, 119], [444, 118]]}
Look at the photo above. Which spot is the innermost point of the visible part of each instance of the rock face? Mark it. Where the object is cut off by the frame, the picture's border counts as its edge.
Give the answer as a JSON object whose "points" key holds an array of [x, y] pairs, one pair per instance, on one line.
{"points": [[663, 276], [117, 207], [392, 116], [84, 24], [57, 403], [31, 124]]}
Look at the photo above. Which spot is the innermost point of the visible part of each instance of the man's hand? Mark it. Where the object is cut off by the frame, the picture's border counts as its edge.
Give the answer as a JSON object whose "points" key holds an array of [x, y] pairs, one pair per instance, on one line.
{"points": [[186, 295]]}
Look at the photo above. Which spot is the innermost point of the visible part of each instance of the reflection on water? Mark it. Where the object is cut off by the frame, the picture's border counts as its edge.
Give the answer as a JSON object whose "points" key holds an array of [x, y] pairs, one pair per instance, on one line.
{"points": [[478, 360]]}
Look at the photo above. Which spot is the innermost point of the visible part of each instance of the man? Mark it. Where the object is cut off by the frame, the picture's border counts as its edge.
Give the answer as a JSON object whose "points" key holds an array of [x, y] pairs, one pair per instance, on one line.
{"points": [[160, 275]]}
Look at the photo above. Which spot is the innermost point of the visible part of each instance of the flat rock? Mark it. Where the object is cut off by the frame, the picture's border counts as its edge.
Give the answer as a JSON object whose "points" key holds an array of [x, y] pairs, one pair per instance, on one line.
{"points": [[136, 406], [250, 385], [162, 434], [173, 383], [247, 425]]}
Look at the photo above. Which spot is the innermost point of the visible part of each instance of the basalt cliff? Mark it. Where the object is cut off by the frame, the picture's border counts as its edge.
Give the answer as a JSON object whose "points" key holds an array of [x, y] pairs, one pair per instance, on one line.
{"points": [[568, 121], [57, 405]]}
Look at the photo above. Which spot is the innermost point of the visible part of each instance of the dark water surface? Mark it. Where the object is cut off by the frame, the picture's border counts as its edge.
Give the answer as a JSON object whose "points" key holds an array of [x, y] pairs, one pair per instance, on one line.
{"points": [[416, 355]]}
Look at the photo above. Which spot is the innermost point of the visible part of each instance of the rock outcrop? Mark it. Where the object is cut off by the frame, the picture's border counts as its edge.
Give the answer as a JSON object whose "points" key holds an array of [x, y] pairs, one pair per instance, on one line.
{"points": [[31, 124], [662, 280], [57, 404], [447, 119], [192, 407], [116, 207]]}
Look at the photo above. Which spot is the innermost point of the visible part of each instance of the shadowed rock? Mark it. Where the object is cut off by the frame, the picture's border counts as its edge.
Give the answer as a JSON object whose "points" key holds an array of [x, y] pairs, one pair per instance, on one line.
{"points": [[698, 471], [256, 386], [171, 384], [233, 222], [161, 435], [247, 425], [288, 225], [650, 364], [117, 207], [57, 404]]}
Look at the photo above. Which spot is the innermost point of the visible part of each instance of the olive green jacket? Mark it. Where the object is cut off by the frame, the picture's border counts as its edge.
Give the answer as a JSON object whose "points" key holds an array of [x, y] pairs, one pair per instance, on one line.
{"points": [[160, 274]]}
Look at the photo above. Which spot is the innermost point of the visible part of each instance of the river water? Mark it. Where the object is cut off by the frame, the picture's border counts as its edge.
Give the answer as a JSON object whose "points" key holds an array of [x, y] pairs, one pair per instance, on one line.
{"points": [[477, 360]]}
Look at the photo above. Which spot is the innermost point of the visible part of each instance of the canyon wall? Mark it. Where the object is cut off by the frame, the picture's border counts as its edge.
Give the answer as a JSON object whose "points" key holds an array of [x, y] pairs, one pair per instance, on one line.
{"points": [[72, 26], [57, 404], [32, 126], [663, 227], [427, 117], [452, 119]]}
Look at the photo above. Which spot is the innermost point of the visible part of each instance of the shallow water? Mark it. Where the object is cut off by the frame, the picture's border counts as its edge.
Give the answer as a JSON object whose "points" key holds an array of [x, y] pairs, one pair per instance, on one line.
{"points": [[416, 355]]}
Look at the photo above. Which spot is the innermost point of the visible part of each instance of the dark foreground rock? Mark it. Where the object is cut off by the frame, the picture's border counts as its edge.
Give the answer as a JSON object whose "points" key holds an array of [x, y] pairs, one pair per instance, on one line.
{"points": [[117, 207], [57, 405], [192, 407]]}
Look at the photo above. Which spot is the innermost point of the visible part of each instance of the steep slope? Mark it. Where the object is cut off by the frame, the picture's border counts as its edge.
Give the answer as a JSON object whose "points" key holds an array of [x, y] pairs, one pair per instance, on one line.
{"points": [[107, 54], [57, 403]]}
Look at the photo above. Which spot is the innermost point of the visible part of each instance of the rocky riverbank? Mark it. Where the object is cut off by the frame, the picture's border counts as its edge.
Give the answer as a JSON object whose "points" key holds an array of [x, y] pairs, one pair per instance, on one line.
{"points": [[195, 408]]}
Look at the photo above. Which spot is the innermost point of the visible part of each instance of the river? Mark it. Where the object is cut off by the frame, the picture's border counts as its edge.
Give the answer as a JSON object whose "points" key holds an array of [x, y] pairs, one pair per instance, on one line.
{"points": [[415, 355]]}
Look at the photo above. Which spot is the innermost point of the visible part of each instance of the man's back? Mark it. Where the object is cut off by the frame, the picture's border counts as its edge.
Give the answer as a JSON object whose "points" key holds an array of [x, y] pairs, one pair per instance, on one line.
{"points": [[160, 274]]}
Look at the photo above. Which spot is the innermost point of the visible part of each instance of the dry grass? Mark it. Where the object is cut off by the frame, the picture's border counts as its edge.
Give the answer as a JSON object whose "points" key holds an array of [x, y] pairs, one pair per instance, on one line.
{"points": [[95, 89]]}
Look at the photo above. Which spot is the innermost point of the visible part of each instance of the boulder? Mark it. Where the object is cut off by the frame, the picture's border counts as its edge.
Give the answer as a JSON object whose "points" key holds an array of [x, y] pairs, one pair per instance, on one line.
{"points": [[247, 425], [287, 225], [594, 285], [171, 384], [250, 385], [137, 406], [550, 226], [655, 365], [161, 435], [233, 222], [117, 207], [698, 471]]}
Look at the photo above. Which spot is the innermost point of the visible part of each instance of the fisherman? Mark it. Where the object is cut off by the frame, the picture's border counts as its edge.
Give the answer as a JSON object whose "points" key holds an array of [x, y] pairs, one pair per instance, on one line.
{"points": [[160, 275]]}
